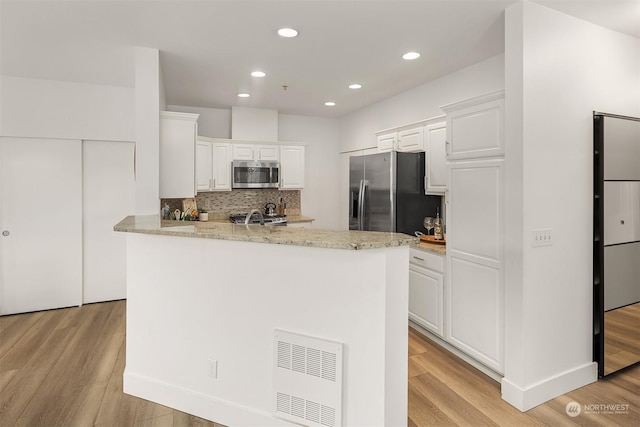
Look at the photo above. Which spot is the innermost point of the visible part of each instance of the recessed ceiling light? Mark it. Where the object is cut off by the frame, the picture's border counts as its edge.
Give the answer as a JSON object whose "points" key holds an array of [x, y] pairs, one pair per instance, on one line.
{"points": [[243, 95], [330, 103], [411, 55], [258, 74], [287, 32], [355, 86]]}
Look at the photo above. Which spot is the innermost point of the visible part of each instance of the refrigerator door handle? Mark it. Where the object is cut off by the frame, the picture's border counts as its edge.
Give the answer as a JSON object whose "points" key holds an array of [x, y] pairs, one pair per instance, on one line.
{"points": [[361, 205]]}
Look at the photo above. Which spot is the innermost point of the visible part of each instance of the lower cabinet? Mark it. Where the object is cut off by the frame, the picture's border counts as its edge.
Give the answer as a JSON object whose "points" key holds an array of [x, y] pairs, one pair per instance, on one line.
{"points": [[426, 290]]}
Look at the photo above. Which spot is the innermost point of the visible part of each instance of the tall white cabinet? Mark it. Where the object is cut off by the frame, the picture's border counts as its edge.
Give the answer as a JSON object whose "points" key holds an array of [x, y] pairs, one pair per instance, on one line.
{"points": [[41, 240], [474, 291]]}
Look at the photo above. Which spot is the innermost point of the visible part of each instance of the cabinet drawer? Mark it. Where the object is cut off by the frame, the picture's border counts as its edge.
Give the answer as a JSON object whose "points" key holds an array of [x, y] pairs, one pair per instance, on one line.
{"points": [[427, 260]]}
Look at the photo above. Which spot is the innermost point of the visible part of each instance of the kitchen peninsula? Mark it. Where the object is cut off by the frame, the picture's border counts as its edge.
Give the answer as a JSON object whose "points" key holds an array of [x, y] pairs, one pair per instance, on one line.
{"points": [[208, 303]]}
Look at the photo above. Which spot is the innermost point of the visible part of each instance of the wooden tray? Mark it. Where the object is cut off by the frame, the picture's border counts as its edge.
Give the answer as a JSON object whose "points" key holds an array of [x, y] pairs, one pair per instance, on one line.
{"points": [[431, 239]]}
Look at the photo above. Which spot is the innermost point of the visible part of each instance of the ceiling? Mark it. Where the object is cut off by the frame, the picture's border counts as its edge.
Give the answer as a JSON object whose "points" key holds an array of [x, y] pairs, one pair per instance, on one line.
{"points": [[208, 48]]}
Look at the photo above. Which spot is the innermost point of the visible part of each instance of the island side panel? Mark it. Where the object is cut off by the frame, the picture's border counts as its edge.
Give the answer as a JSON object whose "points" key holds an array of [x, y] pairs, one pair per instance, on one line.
{"points": [[191, 300]]}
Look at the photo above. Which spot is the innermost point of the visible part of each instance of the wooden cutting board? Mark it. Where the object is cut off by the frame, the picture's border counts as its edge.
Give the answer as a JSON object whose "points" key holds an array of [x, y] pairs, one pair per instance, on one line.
{"points": [[431, 239]]}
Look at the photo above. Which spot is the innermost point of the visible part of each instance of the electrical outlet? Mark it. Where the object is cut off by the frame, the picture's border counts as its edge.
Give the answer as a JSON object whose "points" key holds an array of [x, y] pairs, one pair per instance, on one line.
{"points": [[542, 237], [213, 368]]}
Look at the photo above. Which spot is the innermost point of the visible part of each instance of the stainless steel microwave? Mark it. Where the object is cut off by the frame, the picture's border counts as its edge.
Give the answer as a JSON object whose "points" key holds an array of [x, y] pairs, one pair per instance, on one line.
{"points": [[255, 174]]}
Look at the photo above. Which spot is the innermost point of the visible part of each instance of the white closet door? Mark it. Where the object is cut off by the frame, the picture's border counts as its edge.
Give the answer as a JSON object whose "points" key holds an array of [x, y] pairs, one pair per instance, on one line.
{"points": [[108, 197], [41, 223]]}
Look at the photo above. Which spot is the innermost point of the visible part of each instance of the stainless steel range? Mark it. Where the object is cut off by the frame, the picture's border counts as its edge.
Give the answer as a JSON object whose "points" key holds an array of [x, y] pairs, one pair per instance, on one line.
{"points": [[239, 218]]}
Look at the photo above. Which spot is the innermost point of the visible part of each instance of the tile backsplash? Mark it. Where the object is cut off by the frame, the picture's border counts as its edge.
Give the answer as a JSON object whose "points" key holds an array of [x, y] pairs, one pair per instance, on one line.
{"points": [[220, 204]]}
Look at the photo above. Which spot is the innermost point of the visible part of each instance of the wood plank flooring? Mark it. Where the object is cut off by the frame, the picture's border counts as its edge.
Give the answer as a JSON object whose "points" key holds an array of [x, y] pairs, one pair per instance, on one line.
{"points": [[621, 337], [64, 367]]}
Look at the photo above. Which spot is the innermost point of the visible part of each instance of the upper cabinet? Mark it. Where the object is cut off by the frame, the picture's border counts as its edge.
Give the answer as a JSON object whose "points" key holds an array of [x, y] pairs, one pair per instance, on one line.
{"points": [[256, 152], [213, 164], [292, 166], [435, 138], [401, 139], [475, 127], [177, 154]]}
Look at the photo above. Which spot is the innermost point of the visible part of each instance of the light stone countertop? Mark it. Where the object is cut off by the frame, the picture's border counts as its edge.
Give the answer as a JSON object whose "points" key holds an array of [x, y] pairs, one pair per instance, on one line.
{"points": [[332, 239], [431, 247]]}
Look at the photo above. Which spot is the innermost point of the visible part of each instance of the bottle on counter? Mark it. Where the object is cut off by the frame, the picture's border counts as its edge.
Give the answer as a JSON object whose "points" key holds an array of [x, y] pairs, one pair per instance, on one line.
{"points": [[437, 227]]}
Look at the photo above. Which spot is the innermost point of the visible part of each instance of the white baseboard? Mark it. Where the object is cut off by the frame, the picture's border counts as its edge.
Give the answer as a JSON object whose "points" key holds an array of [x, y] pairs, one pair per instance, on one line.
{"points": [[198, 404], [536, 394]]}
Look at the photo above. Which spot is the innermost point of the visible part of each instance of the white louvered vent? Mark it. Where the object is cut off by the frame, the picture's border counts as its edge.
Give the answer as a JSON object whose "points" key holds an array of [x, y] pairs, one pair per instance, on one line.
{"points": [[307, 380]]}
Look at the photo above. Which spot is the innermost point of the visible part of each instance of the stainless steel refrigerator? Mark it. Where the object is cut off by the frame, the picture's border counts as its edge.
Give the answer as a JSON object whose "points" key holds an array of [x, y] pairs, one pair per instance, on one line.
{"points": [[386, 193], [616, 242]]}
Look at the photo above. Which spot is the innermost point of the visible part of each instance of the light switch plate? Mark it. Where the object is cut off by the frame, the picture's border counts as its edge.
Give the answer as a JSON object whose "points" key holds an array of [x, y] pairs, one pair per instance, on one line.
{"points": [[542, 237]]}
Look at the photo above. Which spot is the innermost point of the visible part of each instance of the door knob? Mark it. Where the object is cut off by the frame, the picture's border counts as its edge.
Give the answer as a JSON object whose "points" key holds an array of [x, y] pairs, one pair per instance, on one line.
{"points": [[5, 233]]}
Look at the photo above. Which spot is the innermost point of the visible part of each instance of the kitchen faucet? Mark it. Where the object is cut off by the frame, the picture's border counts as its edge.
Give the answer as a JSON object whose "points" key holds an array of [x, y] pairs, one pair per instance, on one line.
{"points": [[248, 217]]}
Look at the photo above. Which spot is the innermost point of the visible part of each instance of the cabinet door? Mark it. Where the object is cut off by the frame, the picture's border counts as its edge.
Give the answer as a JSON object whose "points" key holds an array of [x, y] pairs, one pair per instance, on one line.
{"points": [[41, 208], [436, 158], [426, 298], [108, 189], [178, 132], [221, 161], [204, 166], [475, 128], [292, 166], [411, 140], [387, 142], [243, 152], [267, 153], [475, 276]]}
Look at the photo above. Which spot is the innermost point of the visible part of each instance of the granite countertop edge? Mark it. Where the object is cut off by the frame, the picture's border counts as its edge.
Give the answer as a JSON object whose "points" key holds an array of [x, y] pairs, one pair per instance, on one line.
{"points": [[308, 237]]}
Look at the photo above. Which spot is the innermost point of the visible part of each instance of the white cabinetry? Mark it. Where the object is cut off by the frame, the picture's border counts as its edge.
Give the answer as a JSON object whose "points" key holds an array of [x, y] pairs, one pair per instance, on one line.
{"points": [[403, 139], [41, 222], [292, 166], [213, 164], [255, 152], [476, 127], [435, 136], [426, 290], [474, 290], [177, 154]]}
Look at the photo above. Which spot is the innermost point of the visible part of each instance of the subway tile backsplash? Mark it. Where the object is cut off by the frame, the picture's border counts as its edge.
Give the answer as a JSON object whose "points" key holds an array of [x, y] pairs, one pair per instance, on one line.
{"points": [[220, 204]]}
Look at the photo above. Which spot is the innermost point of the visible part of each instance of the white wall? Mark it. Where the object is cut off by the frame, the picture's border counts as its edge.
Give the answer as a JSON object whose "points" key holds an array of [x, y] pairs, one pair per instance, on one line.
{"points": [[67, 110], [147, 130], [320, 198], [357, 129], [212, 123], [559, 69]]}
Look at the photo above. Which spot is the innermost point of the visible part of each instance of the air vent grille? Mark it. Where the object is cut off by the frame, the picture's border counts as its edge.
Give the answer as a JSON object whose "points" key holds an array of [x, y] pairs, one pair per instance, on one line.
{"points": [[307, 379]]}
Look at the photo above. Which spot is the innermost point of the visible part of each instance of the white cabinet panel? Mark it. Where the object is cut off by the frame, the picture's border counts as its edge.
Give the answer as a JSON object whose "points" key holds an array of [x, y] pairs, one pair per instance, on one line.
{"points": [[475, 212], [426, 298], [387, 142], [436, 158], [178, 132], [292, 166], [108, 196], [475, 313], [41, 263], [221, 161], [267, 153], [475, 127], [213, 164], [411, 140], [204, 165], [242, 152], [621, 212]]}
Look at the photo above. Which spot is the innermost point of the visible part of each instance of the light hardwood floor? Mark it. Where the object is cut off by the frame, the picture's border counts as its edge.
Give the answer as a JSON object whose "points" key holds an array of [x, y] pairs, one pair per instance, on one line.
{"points": [[64, 367]]}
